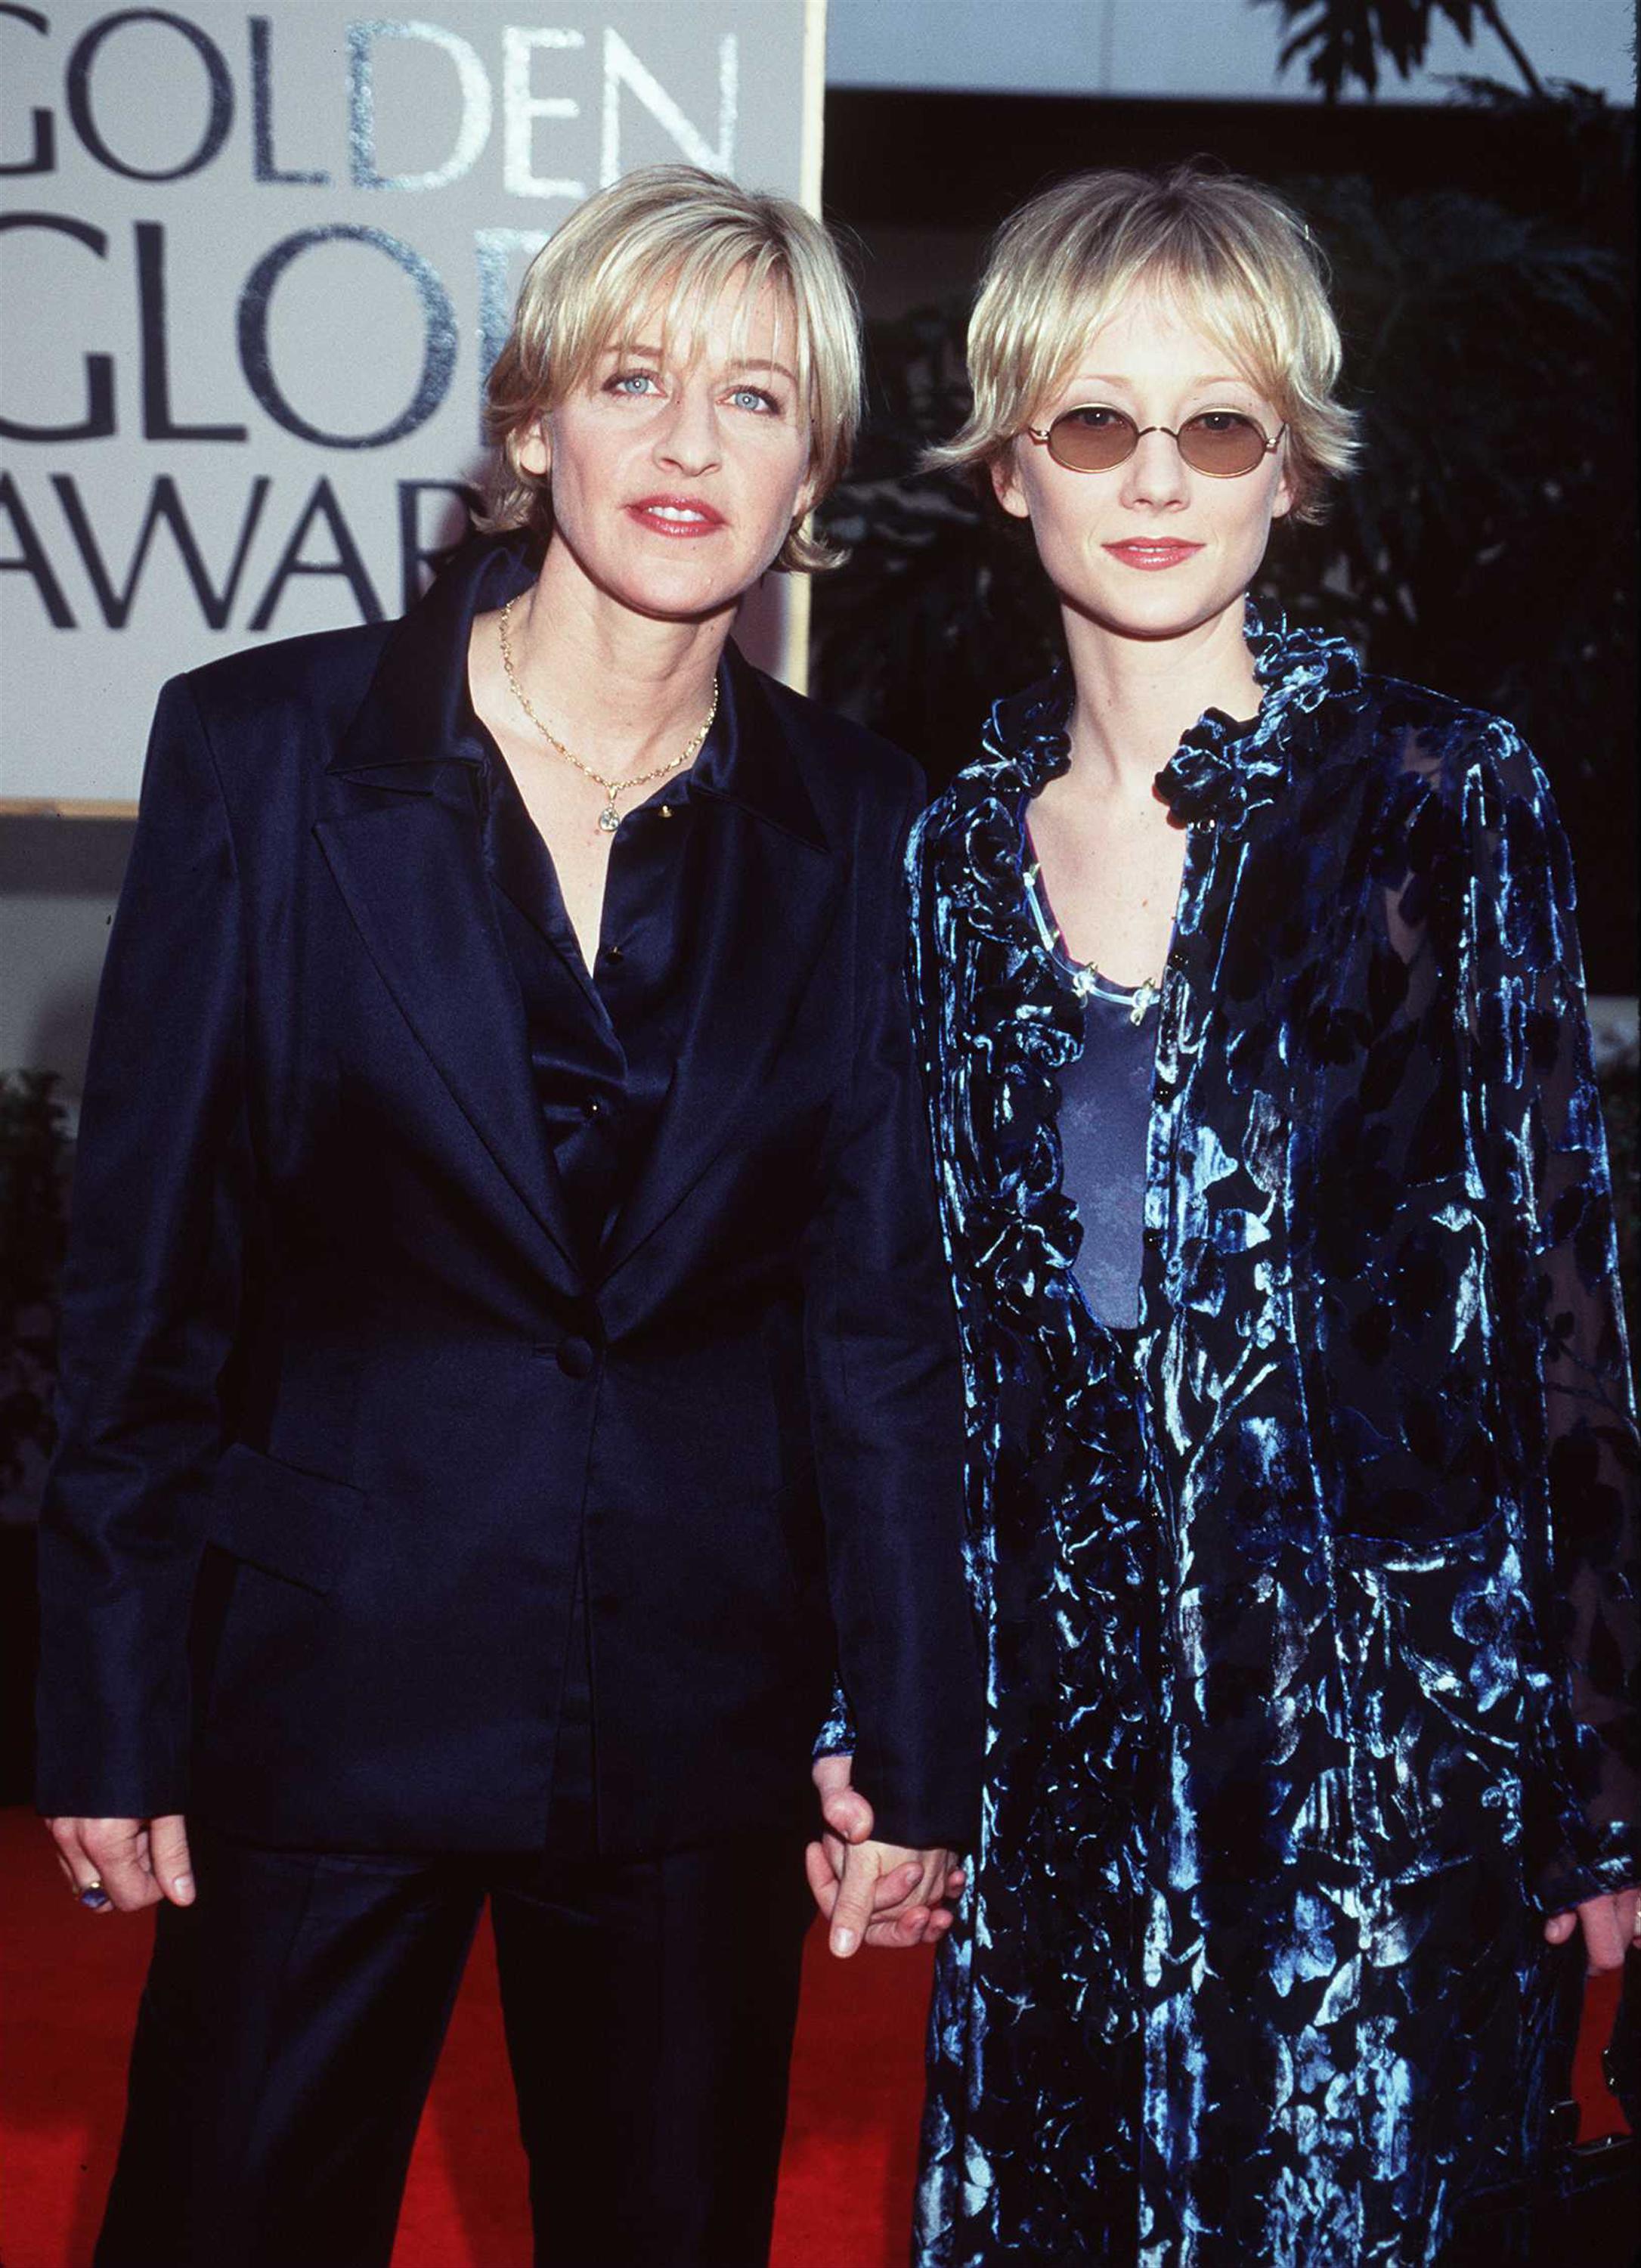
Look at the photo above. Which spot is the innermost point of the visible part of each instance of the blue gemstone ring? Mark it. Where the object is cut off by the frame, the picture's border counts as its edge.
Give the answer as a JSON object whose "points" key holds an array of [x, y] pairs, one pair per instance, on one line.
{"points": [[93, 1895]]}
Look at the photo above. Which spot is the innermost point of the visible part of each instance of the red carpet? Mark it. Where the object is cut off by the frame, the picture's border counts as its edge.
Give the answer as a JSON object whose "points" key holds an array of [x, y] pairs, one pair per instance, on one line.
{"points": [[70, 1986]]}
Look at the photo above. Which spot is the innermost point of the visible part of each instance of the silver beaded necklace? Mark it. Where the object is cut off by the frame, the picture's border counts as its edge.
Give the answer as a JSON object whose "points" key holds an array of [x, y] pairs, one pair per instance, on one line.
{"points": [[1085, 978]]}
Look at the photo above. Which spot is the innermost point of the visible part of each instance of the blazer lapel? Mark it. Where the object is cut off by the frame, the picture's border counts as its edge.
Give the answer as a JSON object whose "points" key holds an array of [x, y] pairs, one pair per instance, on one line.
{"points": [[403, 843], [761, 892], [411, 869]]}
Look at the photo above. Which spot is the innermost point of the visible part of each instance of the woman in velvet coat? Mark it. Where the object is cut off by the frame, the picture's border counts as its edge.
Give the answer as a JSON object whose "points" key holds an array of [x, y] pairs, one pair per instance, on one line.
{"points": [[1302, 1454]]}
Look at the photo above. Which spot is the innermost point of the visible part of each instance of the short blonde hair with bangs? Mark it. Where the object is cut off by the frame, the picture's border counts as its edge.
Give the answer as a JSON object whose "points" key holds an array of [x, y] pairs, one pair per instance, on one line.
{"points": [[663, 242], [1228, 253]]}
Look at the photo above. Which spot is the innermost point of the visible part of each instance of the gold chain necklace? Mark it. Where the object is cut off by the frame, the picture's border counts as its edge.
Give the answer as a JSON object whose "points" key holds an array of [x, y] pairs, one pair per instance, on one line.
{"points": [[609, 818]]}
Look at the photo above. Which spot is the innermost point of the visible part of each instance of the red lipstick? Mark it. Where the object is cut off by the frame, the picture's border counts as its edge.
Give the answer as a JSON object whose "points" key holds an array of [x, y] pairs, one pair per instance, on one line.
{"points": [[680, 517], [1150, 557]]}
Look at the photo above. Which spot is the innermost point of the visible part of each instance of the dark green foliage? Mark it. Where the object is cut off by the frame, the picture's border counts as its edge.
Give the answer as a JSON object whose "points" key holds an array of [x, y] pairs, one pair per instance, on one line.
{"points": [[1485, 546], [1343, 41], [32, 1175], [943, 605]]}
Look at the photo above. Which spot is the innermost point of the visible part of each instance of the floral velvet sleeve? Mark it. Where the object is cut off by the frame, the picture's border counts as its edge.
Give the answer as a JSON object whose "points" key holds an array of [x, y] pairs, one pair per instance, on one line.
{"points": [[837, 1736], [1531, 1040]]}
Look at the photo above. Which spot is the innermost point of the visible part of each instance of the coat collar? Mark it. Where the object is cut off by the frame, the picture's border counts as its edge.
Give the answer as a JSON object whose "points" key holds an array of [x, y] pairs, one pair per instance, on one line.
{"points": [[1023, 1024], [417, 714], [1224, 766]]}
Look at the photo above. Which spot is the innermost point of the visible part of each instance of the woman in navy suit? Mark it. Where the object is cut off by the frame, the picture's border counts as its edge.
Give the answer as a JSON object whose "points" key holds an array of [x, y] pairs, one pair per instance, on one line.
{"points": [[507, 1365]]}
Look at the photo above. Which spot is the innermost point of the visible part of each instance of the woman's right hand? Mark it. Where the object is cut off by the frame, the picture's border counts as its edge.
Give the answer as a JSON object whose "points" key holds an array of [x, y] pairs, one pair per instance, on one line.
{"points": [[123, 1865]]}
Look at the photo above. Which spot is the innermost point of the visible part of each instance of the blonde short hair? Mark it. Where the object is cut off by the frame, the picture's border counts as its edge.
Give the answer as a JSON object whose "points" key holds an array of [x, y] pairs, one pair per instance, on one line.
{"points": [[676, 236], [1227, 253]]}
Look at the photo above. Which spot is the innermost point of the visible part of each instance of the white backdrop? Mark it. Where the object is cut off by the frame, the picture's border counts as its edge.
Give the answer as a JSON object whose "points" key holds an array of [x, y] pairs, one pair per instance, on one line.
{"points": [[254, 262]]}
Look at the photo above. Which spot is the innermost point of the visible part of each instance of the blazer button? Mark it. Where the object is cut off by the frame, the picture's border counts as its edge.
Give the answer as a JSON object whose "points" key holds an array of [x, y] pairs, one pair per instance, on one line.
{"points": [[1151, 1239], [575, 1357]]}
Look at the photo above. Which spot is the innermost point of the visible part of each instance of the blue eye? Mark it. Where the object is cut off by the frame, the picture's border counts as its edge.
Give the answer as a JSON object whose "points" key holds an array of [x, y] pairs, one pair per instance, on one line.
{"points": [[755, 396], [633, 383]]}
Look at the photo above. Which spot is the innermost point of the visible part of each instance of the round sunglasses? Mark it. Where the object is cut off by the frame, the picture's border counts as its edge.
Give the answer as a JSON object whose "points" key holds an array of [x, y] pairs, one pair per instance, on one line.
{"points": [[1224, 443]]}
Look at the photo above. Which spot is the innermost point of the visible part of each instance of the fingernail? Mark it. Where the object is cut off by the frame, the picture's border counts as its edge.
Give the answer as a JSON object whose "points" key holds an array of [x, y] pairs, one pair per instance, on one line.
{"points": [[183, 1887], [843, 1942]]}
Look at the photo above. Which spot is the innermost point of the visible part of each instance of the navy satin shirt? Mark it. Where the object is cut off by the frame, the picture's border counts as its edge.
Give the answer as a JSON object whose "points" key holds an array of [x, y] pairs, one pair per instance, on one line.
{"points": [[604, 1043]]}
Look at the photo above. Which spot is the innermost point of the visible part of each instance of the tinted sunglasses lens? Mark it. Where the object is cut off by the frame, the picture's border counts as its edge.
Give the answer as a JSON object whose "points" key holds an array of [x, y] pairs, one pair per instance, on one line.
{"points": [[1221, 443], [1091, 440]]}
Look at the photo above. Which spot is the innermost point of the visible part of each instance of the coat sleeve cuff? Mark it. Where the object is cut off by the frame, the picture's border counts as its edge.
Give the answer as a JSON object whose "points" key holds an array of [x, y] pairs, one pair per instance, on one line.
{"points": [[1606, 1858]]}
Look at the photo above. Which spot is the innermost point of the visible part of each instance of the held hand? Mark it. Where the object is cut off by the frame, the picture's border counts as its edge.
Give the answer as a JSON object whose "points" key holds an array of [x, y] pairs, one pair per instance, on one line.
{"points": [[1611, 1925], [123, 1865], [845, 1810], [887, 1894], [893, 1895], [849, 1818]]}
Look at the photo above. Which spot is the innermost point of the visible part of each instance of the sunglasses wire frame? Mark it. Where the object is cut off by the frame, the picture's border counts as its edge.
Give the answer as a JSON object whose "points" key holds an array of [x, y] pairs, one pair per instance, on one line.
{"points": [[1045, 435]]}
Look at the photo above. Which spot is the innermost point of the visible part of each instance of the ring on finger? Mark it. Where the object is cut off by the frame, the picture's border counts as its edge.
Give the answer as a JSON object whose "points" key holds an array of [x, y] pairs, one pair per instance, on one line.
{"points": [[91, 1893]]}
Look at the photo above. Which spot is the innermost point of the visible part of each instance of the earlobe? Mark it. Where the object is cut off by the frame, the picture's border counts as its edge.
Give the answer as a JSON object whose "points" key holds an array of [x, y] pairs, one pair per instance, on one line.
{"points": [[1283, 501], [532, 450], [1006, 485]]}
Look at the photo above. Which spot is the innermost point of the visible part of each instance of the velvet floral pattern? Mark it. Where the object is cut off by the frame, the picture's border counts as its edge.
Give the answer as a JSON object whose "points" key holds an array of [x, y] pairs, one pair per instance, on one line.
{"points": [[1309, 1613]]}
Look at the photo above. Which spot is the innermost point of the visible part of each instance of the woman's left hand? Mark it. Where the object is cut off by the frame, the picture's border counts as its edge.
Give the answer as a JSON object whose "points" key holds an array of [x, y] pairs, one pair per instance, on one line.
{"points": [[1610, 1927]]}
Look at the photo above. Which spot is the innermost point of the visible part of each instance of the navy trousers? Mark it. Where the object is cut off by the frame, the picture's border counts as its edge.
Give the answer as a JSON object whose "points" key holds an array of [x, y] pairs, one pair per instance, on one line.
{"points": [[292, 2017]]}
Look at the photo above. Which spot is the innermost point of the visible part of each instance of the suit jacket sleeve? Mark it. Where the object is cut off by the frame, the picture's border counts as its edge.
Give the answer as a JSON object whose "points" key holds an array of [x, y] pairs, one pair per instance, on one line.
{"points": [[882, 1360], [149, 1300]]}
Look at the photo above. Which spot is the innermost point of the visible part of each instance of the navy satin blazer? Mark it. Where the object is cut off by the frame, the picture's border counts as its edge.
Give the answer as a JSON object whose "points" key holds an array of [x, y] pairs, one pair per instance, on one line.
{"points": [[336, 1390]]}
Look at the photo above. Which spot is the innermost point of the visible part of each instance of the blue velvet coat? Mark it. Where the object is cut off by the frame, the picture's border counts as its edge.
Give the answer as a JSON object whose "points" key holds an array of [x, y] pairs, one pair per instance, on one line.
{"points": [[1311, 1662]]}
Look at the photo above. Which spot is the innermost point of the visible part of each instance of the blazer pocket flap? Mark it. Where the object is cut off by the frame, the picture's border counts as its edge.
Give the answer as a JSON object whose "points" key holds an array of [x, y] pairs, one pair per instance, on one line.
{"points": [[285, 1521]]}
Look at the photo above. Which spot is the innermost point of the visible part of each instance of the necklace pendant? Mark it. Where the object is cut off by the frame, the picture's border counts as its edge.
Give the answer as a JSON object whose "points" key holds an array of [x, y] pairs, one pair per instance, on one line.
{"points": [[609, 819]]}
